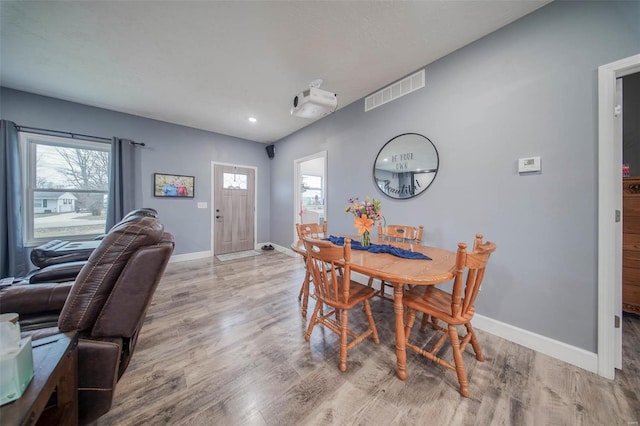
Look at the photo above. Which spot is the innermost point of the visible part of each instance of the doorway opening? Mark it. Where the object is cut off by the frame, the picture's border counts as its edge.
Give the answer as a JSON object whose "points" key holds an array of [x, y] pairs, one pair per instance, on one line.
{"points": [[310, 189], [609, 213]]}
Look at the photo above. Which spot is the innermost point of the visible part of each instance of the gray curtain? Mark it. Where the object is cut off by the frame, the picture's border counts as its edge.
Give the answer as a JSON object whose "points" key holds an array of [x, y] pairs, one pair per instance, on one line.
{"points": [[121, 191], [13, 259]]}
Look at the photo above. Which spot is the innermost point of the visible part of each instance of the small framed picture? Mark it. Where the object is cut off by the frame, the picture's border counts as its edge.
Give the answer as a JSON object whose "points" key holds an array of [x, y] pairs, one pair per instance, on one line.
{"points": [[175, 186]]}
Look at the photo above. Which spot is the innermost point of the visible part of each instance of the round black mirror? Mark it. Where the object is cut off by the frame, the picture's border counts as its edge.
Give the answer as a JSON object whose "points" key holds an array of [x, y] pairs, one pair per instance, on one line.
{"points": [[406, 166]]}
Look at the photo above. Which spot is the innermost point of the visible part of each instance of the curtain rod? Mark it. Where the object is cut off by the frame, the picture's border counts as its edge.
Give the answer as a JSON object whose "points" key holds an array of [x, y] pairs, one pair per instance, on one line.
{"points": [[49, 132]]}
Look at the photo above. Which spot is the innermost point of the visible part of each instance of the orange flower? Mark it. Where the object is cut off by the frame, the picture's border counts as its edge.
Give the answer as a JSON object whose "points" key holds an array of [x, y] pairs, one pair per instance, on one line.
{"points": [[363, 223]]}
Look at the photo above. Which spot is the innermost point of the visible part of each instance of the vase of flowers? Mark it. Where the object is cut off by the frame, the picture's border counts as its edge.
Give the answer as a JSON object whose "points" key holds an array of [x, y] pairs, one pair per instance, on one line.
{"points": [[366, 213]]}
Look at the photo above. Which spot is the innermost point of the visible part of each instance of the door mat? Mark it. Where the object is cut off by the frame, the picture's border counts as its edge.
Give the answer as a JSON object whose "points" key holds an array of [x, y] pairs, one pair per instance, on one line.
{"points": [[237, 255]]}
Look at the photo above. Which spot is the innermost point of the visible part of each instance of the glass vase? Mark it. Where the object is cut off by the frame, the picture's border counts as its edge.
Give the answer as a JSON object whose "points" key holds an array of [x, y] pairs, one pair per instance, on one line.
{"points": [[366, 240]]}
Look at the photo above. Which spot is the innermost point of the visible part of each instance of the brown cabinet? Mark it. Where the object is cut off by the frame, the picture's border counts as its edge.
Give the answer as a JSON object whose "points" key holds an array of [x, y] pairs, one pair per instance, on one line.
{"points": [[631, 244]]}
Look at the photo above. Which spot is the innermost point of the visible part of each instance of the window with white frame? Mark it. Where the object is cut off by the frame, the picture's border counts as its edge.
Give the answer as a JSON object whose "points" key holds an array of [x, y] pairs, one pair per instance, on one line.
{"points": [[66, 187]]}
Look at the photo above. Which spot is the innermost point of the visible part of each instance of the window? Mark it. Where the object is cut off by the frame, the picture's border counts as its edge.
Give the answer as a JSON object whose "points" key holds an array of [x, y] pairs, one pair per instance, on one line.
{"points": [[66, 187], [234, 181]]}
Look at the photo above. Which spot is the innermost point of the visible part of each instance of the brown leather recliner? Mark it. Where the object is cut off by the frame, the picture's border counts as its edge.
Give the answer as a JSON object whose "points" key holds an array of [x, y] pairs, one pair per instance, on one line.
{"points": [[60, 261], [106, 304]]}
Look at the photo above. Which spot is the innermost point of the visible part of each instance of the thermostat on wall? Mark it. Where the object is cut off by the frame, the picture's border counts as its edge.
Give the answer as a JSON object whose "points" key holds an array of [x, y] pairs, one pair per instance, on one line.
{"points": [[530, 164]]}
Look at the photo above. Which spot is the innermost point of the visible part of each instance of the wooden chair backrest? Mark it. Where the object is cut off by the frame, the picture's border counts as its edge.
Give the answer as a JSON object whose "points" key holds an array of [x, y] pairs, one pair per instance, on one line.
{"points": [[475, 262], [402, 233], [311, 229], [322, 256]]}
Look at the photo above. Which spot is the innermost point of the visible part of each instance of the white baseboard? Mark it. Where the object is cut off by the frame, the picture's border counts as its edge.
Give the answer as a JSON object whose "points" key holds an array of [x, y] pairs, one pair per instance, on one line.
{"points": [[285, 250], [204, 254], [190, 256], [553, 348]]}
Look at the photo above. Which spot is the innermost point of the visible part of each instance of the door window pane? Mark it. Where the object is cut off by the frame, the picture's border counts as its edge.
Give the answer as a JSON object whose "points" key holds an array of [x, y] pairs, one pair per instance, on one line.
{"points": [[234, 181]]}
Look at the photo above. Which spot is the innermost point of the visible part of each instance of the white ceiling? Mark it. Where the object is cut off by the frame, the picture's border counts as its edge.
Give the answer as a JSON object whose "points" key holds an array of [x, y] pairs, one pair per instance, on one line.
{"points": [[212, 64]]}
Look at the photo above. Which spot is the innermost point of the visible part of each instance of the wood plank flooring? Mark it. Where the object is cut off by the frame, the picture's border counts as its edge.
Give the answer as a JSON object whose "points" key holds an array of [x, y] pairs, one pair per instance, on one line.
{"points": [[223, 344]]}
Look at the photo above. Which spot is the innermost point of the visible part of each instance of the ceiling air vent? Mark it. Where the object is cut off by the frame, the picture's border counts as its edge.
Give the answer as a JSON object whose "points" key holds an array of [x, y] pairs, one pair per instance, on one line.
{"points": [[395, 90]]}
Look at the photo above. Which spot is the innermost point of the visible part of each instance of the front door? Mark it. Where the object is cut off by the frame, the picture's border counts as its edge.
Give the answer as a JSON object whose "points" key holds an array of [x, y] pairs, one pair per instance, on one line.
{"points": [[234, 208]]}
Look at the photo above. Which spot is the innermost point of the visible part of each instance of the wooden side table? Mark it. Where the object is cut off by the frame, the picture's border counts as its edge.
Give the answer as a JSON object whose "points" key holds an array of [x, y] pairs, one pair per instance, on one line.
{"points": [[55, 367]]}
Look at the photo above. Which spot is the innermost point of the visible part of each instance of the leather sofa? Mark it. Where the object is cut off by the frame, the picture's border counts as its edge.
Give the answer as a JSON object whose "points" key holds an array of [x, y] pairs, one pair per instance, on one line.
{"points": [[106, 305], [60, 261]]}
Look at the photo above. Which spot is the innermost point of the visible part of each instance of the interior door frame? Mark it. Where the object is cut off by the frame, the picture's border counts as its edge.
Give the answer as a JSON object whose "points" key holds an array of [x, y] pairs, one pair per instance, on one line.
{"points": [[213, 197], [609, 200], [297, 178]]}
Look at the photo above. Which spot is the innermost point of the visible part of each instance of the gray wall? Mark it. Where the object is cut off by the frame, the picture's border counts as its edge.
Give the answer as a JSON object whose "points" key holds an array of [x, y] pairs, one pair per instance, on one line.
{"points": [[528, 89], [169, 149]]}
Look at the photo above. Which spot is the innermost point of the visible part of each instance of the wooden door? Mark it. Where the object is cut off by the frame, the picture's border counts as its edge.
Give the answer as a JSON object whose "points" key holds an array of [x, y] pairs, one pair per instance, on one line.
{"points": [[234, 209]]}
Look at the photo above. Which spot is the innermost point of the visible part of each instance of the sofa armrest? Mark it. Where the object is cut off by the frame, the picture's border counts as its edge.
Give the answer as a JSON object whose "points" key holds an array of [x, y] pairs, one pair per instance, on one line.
{"points": [[34, 298], [58, 251], [58, 273]]}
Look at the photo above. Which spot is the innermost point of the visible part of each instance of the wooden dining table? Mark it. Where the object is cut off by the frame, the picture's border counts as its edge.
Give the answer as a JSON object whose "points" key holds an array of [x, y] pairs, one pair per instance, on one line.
{"points": [[400, 271]]}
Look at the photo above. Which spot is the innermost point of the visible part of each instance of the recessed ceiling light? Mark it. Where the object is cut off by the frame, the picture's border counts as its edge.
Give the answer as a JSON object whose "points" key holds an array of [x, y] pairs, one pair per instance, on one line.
{"points": [[253, 119]]}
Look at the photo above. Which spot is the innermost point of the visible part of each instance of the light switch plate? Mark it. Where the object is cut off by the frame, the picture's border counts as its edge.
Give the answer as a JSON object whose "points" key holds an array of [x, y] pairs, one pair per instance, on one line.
{"points": [[202, 204], [529, 164]]}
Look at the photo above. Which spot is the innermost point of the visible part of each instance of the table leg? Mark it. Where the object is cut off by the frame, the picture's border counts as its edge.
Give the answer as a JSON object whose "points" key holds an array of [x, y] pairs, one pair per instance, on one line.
{"points": [[401, 353]]}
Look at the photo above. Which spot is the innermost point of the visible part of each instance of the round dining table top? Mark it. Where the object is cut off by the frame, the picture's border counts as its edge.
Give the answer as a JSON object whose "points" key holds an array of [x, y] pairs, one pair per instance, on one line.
{"points": [[400, 270]]}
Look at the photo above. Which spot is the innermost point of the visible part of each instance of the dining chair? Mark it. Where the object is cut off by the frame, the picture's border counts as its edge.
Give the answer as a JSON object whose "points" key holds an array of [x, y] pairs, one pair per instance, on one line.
{"points": [[454, 309], [313, 230], [393, 233], [338, 292]]}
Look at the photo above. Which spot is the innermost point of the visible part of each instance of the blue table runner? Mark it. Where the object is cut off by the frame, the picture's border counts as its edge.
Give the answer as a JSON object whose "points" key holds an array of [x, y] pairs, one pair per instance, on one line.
{"points": [[380, 248]]}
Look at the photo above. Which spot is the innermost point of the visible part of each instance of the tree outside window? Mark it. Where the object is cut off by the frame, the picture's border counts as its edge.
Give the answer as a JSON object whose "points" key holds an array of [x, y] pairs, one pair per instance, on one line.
{"points": [[66, 187]]}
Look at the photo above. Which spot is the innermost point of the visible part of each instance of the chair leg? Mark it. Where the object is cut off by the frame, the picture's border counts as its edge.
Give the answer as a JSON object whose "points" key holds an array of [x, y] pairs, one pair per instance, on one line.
{"points": [[424, 322], [410, 317], [370, 284], [314, 320], [426, 319], [306, 279], [304, 293], [380, 292], [474, 342], [343, 340], [372, 323], [459, 362]]}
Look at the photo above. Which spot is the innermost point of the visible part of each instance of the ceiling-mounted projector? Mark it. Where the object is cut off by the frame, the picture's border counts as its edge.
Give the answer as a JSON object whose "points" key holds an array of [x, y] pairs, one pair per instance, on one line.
{"points": [[314, 103]]}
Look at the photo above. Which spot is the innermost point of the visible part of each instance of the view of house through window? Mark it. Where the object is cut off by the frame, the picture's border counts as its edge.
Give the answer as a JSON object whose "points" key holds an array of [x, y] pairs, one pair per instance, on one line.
{"points": [[66, 187]]}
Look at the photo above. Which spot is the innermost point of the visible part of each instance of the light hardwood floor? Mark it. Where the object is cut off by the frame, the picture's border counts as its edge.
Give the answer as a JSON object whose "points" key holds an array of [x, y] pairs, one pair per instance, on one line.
{"points": [[223, 344]]}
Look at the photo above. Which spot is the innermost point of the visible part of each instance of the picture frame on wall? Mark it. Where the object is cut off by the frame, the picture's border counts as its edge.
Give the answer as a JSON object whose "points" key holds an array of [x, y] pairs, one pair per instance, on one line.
{"points": [[173, 186]]}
